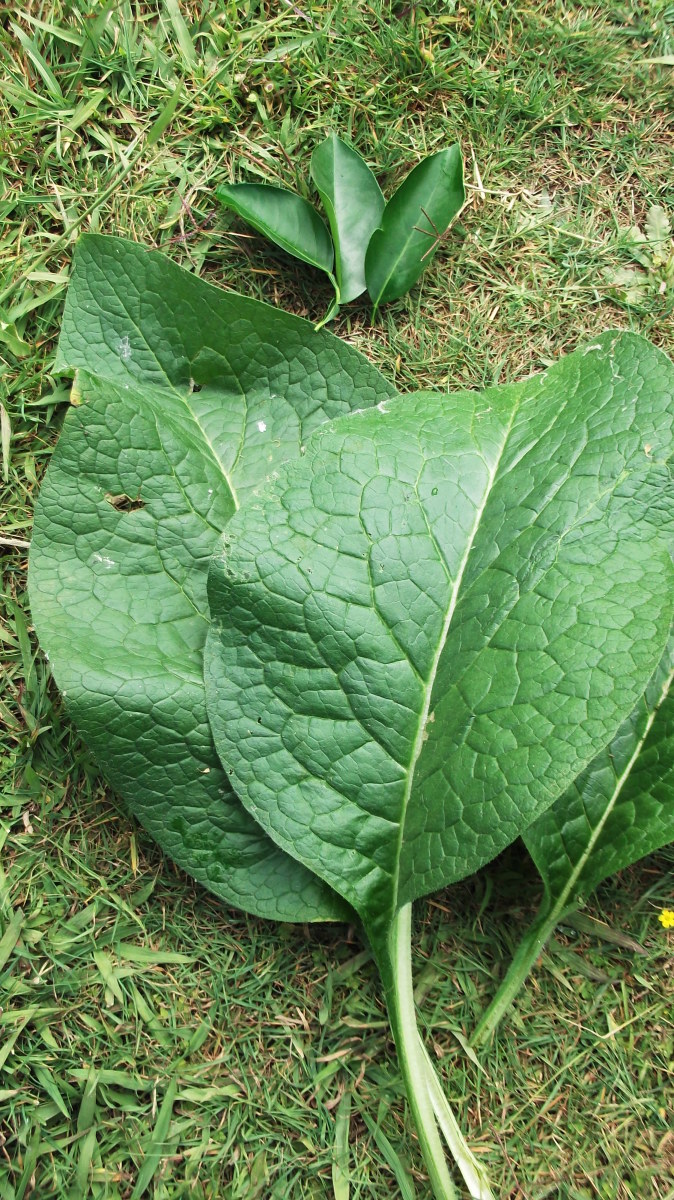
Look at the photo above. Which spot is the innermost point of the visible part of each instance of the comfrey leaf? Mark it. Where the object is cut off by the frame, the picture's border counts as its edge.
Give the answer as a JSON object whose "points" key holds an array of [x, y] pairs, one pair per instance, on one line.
{"points": [[431, 623], [618, 810], [187, 399]]}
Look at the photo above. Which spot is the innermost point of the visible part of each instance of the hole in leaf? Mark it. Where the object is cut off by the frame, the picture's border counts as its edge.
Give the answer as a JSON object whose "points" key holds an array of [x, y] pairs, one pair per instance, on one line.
{"points": [[195, 387], [124, 503]]}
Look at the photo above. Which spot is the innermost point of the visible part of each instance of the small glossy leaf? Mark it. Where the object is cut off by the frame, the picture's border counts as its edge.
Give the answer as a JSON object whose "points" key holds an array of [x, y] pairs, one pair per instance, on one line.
{"points": [[354, 204], [619, 810], [414, 220], [433, 621], [284, 217], [200, 394]]}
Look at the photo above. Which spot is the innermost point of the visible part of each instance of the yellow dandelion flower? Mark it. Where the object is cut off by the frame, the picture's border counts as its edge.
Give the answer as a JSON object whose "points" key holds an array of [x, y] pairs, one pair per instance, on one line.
{"points": [[666, 918]]}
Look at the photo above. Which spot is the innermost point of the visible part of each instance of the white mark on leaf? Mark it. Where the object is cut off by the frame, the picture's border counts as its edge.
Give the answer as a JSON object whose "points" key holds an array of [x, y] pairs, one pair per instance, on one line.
{"points": [[262, 426], [106, 562], [125, 348]]}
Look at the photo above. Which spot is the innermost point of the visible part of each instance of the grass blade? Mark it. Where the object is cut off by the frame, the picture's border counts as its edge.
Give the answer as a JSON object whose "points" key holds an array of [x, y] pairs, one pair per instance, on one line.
{"points": [[30, 1159], [81, 1183], [85, 1116], [182, 33], [340, 1150], [389, 1155], [157, 1142], [11, 936], [85, 110], [47, 75], [5, 440], [165, 117]]}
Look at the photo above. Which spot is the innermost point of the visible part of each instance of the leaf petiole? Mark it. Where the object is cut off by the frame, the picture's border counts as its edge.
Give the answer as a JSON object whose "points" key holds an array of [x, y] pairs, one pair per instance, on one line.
{"points": [[334, 307], [427, 1100], [396, 971], [528, 950], [472, 1171]]}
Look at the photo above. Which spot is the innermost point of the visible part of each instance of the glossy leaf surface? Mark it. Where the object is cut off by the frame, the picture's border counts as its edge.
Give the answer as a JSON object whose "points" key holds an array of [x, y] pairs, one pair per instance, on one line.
{"points": [[200, 395], [354, 203], [413, 221], [284, 217], [432, 622], [619, 810]]}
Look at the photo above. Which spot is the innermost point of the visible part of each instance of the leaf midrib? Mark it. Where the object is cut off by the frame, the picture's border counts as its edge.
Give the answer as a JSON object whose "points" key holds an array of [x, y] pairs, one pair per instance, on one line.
{"points": [[559, 907], [293, 248], [423, 716], [148, 396], [339, 197], [181, 395], [327, 199], [175, 391], [409, 239]]}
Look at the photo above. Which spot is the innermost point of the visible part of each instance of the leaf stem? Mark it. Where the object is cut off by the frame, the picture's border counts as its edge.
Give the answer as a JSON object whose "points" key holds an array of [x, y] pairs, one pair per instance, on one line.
{"points": [[473, 1173], [334, 306], [528, 950], [396, 971]]}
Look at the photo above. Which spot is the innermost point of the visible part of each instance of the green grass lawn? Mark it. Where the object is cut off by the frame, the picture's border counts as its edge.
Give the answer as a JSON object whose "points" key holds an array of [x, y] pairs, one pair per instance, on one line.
{"points": [[152, 1042]]}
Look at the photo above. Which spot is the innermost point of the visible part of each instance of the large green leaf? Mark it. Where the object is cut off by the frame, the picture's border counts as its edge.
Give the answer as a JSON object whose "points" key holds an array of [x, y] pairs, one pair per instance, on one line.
{"points": [[200, 395], [617, 811], [284, 217], [354, 204], [432, 622], [413, 222]]}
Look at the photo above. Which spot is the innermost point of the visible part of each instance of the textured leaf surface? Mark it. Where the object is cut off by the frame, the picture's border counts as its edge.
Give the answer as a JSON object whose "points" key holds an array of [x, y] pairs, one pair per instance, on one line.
{"points": [[620, 809], [354, 204], [284, 217], [434, 620], [413, 221], [146, 473]]}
